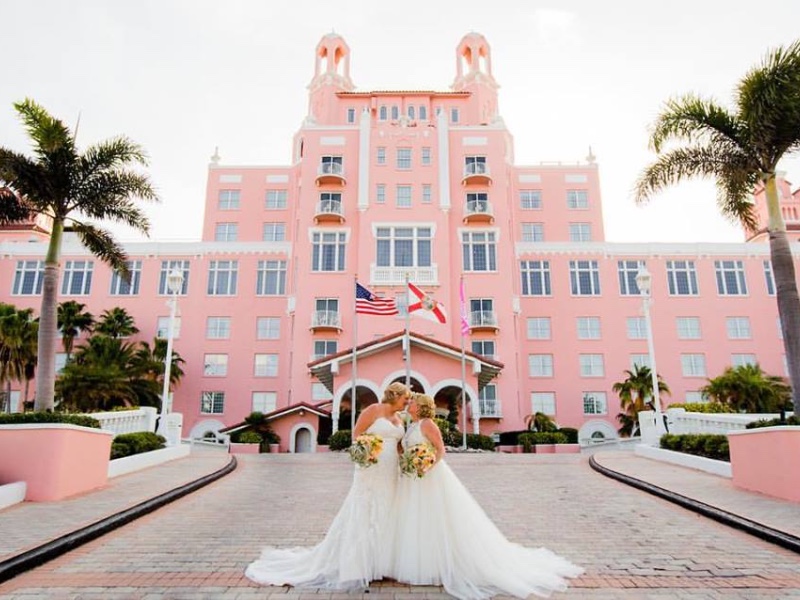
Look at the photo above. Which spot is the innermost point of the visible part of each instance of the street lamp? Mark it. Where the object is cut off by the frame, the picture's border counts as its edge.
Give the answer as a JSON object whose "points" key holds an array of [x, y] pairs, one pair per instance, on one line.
{"points": [[174, 284], [643, 282]]}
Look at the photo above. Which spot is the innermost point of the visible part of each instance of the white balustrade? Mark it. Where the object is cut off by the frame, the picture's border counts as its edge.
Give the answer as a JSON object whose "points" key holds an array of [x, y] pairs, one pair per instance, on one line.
{"points": [[127, 421]]}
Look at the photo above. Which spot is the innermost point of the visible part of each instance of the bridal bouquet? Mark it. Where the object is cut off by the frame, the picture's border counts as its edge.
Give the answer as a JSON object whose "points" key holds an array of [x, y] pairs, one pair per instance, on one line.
{"points": [[417, 460], [365, 449]]}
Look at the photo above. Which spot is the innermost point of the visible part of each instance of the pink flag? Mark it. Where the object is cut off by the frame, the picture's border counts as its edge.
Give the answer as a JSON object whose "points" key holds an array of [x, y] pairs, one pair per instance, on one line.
{"points": [[464, 319]]}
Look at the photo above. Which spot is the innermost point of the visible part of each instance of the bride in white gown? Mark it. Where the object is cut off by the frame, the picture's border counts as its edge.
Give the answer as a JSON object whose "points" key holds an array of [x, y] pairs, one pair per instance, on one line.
{"points": [[442, 536], [354, 551]]}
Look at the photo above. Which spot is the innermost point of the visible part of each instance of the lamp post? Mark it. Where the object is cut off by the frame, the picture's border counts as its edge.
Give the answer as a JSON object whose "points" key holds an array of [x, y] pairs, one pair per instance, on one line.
{"points": [[175, 284], [643, 282]]}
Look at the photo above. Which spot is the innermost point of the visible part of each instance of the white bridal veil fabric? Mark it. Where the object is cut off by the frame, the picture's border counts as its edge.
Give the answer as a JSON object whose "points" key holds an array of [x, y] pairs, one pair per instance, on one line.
{"points": [[440, 535], [353, 552]]}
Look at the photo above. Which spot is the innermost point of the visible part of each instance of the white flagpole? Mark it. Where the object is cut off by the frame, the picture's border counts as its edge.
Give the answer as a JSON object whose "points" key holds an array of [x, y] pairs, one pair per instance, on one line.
{"points": [[407, 338], [462, 310], [355, 365]]}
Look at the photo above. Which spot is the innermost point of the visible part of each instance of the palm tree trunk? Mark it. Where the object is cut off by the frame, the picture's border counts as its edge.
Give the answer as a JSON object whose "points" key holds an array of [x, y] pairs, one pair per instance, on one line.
{"points": [[786, 288], [48, 322]]}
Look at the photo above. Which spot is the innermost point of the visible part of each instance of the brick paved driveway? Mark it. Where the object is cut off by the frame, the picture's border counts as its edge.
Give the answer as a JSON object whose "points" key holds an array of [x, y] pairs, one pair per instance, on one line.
{"points": [[632, 545]]}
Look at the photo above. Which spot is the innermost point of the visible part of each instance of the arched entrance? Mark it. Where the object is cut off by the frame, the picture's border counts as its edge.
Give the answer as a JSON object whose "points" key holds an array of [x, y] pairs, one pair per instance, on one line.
{"points": [[303, 440]]}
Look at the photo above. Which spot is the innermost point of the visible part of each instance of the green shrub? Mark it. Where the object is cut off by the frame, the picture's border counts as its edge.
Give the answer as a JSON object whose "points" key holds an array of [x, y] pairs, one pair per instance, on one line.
{"points": [[49, 417], [249, 437], [702, 407], [511, 438], [479, 441], [571, 434], [339, 440], [128, 444], [793, 420], [698, 444], [526, 441]]}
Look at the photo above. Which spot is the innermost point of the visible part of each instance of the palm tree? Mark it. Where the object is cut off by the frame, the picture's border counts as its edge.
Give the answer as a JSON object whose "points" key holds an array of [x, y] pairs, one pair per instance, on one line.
{"points": [[18, 333], [740, 150], [71, 189], [72, 319], [633, 393], [149, 363], [116, 323], [747, 388]]}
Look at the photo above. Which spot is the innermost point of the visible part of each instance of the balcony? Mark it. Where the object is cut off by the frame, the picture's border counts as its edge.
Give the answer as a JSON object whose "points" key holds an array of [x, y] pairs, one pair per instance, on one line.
{"points": [[422, 276], [330, 173], [329, 211], [326, 320], [478, 211], [490, 409], [476, 173], [483, 320]]}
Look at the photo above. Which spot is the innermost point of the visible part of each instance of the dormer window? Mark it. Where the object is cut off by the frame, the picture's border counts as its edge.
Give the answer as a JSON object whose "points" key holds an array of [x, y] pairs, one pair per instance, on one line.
{"points": [[395, 113]]}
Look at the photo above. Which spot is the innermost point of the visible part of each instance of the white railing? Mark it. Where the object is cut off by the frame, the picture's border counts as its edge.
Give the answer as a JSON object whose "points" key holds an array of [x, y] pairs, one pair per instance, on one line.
{"points": [[331, 169], [423, 276], [476, 168], [330, 207], [326, 318], [479, 207], [127, 421], [489, 408], [482, 318]]}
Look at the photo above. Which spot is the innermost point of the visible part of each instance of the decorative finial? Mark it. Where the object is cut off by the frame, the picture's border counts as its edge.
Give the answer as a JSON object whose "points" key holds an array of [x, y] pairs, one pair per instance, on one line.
{"points": [[215, 158], [591, 157]]}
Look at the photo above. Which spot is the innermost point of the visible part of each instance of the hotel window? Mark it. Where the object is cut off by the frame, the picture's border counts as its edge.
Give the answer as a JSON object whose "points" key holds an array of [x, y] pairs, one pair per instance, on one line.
{"points": [[381, 155], [330, 202], [695, 397], [693, 365], [533, 232], [331, 164], [769, 277], [228, 200], [423, 113], [580, 232], [477, 202], [688, 328], [535, 277], [319, 392], [427, 194], [543, 402], [403, 197], [591, 365], [167, 266], [530, 199], [162, 328], [218, 328], [324, 348], [538, 328], [382, 114], [266, 365], [487, 401], [411, 112], [681, 278], [276, 200], [61, 362], [222, 277], [475, 165], [594, 403], [326, 311], [215, 365], [640, 360], [120, 287], [588, 328], [454, 115], [226, 232], [351, 115], [268, 328], [742, 360], [739, 327], [483, 348], [380, 193], [627, 270], [404, 158], [77, 277], [577, 199], [478, 251], [404, 246], [637, 328], [540, 365], [271, 278], [584, 278], [28, 277], [273, 232], [328, 251], [212, 403], [264, 402], [395, 113], [730, 277], [426, 155]]}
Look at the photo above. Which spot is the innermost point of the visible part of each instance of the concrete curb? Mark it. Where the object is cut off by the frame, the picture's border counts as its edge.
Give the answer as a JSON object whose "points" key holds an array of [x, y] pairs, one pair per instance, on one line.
{"points": [[39, 555], [768, 534]]}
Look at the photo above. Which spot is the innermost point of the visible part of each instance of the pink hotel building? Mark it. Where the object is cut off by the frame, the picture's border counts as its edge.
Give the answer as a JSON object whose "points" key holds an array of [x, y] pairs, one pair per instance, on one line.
{"points": [[388, 184]]}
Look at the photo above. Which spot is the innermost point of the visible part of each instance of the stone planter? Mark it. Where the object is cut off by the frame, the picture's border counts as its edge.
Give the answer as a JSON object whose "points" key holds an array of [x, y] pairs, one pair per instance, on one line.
{"points": [[323, 448], [236, 448], [55, 460], [765, 460], [545, 448], [568, 448]]}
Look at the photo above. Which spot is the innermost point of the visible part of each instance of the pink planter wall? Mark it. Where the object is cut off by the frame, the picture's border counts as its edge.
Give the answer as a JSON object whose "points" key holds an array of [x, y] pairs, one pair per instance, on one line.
{"points": [[568, 448], [765, 460], [235, 448], [55, 460]]}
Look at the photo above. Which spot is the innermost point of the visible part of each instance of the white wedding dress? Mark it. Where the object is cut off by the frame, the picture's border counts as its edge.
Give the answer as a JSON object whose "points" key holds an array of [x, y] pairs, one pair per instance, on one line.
{"points": [[354, 551], [442, 536]]}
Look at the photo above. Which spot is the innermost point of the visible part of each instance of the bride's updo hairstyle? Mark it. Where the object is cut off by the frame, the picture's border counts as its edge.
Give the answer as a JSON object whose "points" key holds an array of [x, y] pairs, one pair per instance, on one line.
{"points": [[426, 407], [394, 391]]}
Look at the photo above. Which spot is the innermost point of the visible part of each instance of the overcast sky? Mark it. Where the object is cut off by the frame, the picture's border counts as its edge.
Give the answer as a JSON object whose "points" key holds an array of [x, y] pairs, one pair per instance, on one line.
{"points": [[182, 78]]}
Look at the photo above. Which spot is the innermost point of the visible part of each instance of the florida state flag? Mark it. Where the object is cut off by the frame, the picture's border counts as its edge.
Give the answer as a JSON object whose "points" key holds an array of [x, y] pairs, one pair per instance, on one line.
{"points": [[424, 305]]}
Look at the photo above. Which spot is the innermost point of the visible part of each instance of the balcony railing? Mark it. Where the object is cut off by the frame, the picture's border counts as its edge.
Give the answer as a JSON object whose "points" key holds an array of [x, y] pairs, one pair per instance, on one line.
{"points": [[478, 210], [326, 319], [330, 173], [483, 319], [424, 276], [329, 209], [477, 173], [490, 409]]}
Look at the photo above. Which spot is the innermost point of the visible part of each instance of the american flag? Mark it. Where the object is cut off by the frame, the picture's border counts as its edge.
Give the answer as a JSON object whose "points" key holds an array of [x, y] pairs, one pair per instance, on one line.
{"points": [[368, 303]]}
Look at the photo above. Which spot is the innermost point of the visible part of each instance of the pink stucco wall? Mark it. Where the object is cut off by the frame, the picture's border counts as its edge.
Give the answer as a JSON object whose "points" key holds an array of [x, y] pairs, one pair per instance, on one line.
{"points": [[765, 460], [56, 461]]}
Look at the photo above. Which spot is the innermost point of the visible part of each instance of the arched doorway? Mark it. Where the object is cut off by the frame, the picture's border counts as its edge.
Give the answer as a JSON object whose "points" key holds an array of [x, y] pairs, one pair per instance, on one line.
{"points": [[364, 397], [303, 440]]}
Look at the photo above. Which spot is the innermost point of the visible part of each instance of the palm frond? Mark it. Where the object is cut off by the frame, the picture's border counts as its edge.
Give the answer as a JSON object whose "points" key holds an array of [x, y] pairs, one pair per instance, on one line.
{"points": [[28, 179], [12, 208], [50, 135], [103, 245], [735, 191], [690, 118], [113, 153]]}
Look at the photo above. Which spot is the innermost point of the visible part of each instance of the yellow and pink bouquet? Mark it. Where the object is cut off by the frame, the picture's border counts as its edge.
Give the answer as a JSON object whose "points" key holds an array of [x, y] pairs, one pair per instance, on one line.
{"points": [[365, 449], [417, 460]]}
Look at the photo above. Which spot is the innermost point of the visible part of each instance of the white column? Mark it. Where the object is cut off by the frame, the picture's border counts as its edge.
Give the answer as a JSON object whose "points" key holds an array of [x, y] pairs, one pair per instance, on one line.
{"points": [[443, 132], [363, 160]]}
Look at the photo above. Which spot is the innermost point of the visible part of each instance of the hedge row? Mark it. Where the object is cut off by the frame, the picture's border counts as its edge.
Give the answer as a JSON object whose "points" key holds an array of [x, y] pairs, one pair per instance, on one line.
{"points": [[773, 422], [48, 417], [699, 444], [528, 440], [128, 444]]}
